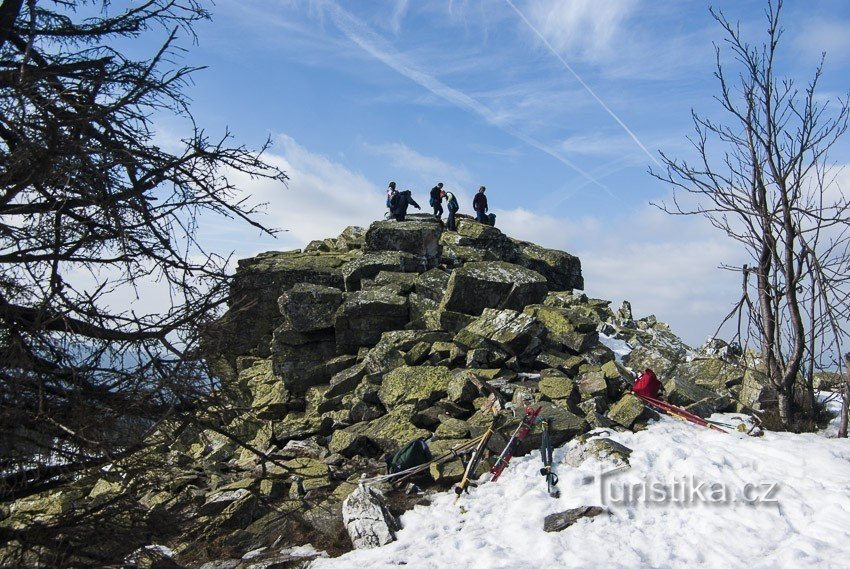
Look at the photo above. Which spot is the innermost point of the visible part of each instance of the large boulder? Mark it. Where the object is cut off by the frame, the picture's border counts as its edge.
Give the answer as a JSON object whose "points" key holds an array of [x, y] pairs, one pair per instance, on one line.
{"points": [[419, 238], [432, 284], [566, 328], [412, 384], [756, 393], [683, 393], [309, 307], [494, 284], [626, 411], [246, 328], [384, 434], [514, 332], [302, 365], [365, 315], [562, 270], [370, 264], [368, 519], [712, 373]]}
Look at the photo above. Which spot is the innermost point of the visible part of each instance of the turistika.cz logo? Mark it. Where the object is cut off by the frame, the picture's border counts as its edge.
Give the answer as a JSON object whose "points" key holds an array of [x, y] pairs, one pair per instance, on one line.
{"points": [[685, 490]]}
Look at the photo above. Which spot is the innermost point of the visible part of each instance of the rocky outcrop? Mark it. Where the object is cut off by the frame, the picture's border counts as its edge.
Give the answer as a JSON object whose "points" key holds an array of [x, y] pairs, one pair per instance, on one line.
{"points": [[332, 357]]}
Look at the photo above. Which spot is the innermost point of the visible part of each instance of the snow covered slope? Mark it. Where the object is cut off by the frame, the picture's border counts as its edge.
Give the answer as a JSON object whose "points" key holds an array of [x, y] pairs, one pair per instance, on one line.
{"points": [[801, 517]]}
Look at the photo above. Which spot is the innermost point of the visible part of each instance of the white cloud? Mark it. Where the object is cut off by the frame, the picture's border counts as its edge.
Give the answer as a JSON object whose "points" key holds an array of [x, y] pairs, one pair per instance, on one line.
{"points": [[322, 198], [399, 11], [598, 144], [819, 35], [585, 29], [426, 169]]}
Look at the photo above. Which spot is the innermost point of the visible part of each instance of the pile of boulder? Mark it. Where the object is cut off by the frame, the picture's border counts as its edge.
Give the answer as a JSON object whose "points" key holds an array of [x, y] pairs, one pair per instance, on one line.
{"points": [[333, 356]]}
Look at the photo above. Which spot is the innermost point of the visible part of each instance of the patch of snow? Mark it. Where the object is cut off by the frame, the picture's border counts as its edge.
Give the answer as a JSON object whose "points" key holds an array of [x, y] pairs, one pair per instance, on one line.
{"points": [[500, 525], [621, 348]]}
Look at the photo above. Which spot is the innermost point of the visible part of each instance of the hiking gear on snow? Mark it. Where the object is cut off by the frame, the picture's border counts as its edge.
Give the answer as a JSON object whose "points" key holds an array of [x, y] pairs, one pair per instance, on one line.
{"points": [[647, 384], [475, 459], [412, 454], [679, 413], [519, 435], [546, 454]]}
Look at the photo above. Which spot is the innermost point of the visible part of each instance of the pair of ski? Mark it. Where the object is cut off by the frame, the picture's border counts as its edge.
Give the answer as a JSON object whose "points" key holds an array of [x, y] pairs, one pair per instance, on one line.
{"points": [[501, 463], [679, 413]]}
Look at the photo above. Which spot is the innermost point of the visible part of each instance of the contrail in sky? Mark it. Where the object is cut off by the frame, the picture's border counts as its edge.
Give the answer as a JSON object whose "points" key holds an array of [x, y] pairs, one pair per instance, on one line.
{"points": [[366, 39], [583, 84]]}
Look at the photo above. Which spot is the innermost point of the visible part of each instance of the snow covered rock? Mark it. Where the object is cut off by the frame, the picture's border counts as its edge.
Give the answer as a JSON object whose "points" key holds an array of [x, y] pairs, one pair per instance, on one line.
{"points": [[604, 450], [367, 519]]}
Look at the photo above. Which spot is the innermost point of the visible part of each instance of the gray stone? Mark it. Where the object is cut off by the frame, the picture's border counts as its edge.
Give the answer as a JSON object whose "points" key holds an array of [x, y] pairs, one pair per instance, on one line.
{"points": [[252, 313], [514, 332], [367, 519], [365, 315], [626, 411], [432, 284], [419, 238], [476, 286], [562, 270], [370, 264], [563, 520], [309, 307], [409, 384]]}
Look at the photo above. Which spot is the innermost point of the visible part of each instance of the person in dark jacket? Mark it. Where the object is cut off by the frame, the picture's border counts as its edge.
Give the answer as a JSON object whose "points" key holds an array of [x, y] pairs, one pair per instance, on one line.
{"points": [[437, 200], [399, 204], [479, 204], [452, 206]]}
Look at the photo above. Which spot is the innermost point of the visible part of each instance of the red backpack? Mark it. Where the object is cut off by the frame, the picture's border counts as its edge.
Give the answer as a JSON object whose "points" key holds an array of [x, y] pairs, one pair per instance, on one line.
{"points": [[647, 385]]}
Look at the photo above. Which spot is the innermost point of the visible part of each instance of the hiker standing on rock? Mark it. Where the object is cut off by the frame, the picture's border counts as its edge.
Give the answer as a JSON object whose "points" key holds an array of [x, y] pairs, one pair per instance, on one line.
{"points": [[391, 191], [452, 206], [479, 204], [399, 203], [437, 199]]}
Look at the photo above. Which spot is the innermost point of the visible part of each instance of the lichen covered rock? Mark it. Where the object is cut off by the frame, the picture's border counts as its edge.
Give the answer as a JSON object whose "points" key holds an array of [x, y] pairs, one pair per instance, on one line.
{"points": [[409, 384], [365, 315], [419, 238], [495, 284]]}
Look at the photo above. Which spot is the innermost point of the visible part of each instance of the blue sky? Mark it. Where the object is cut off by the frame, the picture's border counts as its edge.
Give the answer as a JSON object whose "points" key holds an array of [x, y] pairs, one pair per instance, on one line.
{"points": [[559, 107]]}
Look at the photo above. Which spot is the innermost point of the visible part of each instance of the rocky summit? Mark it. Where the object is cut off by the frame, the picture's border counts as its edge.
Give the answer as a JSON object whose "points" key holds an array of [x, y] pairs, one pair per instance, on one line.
{"points": [[330, 357]]}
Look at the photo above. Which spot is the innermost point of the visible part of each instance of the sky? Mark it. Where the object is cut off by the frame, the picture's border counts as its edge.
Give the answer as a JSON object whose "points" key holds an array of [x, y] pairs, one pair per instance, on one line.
{"points": [[559, 107]]}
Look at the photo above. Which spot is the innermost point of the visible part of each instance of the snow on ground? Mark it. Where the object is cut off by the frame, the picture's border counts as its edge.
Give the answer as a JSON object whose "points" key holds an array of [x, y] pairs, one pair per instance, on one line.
{"points": [[801, 517], [620, 347]]}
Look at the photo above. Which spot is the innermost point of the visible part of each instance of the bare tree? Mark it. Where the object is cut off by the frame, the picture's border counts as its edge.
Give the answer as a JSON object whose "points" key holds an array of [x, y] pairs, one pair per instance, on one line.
{"points": [[764, 178], [91, 207]]}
